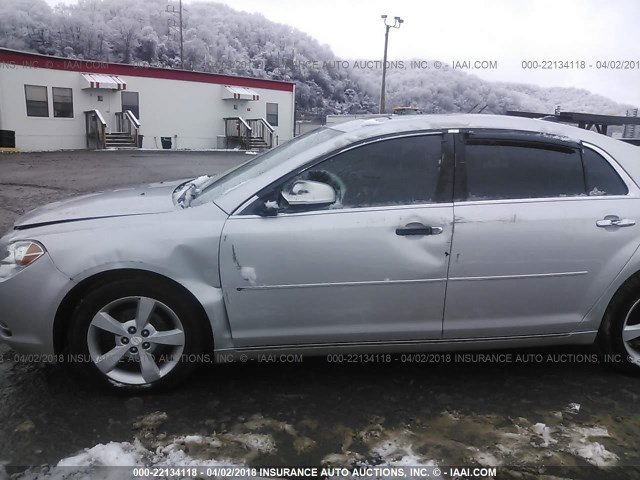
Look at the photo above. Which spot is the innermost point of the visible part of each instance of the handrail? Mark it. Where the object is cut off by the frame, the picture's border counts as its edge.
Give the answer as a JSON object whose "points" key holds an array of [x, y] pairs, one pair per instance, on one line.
{"points": [[96, 129], [267, 124], [243, 131], [239, 119], [126, 122], [236, 128], [263, 130], [101, 118], [133, 118]]}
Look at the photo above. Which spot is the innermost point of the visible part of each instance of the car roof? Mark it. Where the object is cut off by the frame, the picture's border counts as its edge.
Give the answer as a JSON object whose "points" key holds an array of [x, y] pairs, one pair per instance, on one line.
{"points": [[401, 123]]}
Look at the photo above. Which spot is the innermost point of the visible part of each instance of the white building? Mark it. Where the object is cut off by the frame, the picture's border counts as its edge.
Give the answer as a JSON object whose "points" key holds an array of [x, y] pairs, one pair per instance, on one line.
{"points": [[51, 103]]}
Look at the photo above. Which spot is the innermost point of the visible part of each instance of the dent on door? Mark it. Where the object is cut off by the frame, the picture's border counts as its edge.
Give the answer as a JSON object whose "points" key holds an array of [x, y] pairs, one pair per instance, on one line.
{"points": [[335, 277]]}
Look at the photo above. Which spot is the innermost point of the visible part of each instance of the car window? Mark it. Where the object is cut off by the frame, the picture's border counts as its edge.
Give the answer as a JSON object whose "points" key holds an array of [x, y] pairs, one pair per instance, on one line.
{"points": [[260, 164], [510, 170], [600, 176], [399, 171]]}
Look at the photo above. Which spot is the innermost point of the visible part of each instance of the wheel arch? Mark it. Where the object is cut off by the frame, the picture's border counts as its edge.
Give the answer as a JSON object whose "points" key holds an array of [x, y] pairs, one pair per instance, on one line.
{"points": [[70, 301]]}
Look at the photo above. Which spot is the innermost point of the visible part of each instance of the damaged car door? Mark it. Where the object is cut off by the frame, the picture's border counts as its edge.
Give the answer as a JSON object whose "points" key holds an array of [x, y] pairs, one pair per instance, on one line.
{"points": [[351, 248], [543, 225]]}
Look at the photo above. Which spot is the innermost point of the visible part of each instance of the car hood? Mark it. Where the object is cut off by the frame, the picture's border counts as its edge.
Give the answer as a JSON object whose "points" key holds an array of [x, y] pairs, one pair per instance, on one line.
{"points": [[139, 200]]}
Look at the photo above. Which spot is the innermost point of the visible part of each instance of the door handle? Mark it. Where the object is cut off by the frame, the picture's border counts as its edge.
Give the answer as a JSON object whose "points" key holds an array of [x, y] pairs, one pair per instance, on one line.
{"points": [[615, 221], [418, 229]]}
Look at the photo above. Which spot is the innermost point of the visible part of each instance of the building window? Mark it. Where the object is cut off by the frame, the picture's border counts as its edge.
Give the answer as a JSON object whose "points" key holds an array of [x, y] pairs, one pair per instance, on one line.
{"points": [[37, 101], [272, 114], [62, 102], [131, 101]]}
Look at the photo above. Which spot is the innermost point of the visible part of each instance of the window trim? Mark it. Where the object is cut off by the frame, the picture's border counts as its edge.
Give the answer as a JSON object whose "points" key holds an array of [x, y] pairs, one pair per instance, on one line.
{"points": [[460, 187], [136, 110], [345, 210], [622, 173], [26, 101], [53, 102], [245, 210], [277, 114]]}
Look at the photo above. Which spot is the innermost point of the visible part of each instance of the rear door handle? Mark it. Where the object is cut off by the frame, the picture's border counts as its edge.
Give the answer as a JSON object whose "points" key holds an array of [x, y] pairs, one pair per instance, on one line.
{"points": [[615, 221], [418, 229]]}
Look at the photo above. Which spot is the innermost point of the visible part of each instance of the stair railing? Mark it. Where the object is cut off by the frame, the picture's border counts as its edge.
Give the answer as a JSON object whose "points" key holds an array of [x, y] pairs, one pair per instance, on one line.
{"points": [[96, 130], [126, 122], [238, 131], [263, 130]]}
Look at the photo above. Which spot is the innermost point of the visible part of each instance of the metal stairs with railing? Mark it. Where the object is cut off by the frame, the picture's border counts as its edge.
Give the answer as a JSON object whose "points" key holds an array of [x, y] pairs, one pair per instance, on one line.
{"points": [[120, 140]]}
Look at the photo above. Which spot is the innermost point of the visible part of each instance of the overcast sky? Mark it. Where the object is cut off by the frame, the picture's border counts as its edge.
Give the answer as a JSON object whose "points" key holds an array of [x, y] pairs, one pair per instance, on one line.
{"points": [[509, 31]]}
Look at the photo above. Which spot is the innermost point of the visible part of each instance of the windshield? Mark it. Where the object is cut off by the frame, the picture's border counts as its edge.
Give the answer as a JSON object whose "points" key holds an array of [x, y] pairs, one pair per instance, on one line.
{"points": [[260, 164]]}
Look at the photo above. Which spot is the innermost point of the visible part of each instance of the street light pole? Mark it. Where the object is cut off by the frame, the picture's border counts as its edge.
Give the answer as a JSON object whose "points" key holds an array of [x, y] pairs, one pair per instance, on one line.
{"points": [[181, 40], [396, 24]]}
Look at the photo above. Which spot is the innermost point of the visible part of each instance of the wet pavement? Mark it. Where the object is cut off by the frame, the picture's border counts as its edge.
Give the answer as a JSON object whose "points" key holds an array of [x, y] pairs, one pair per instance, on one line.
{"points": [[521, 416]]}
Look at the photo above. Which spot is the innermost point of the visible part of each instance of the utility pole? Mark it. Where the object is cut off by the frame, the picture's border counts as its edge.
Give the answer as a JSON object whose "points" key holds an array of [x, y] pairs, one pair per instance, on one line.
{"points": [[172, 10], [396, 24], [181, 40]]}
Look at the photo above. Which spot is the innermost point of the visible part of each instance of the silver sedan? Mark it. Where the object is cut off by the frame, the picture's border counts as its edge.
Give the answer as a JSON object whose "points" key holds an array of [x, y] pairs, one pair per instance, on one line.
{"points": [[374, 236]]}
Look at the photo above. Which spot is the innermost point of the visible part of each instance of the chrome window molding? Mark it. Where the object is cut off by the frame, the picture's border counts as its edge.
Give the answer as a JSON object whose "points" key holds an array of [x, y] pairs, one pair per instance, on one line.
{"points": [[546, 199]]}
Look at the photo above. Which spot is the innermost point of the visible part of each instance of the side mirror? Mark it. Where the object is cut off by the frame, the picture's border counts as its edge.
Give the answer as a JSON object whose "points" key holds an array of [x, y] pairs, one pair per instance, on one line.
{"points": [[307, 192]]}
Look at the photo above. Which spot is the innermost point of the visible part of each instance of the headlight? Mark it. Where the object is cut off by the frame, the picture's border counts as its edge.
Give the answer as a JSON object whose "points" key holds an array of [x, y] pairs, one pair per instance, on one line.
{"points": [[17, 256]]}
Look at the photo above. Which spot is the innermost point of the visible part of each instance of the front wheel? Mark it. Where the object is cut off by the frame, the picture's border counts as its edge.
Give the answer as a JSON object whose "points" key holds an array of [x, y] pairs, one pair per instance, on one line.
{"points": [[135, 334]]}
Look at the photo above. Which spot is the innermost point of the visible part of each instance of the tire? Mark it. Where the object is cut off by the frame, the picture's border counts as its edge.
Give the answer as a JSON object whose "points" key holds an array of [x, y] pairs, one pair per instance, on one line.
{"points": [[113, 346], [617, 330]]}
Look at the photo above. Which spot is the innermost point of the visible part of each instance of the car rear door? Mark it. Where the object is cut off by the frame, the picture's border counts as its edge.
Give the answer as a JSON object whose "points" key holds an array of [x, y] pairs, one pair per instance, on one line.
{"points": [[370, 268], [542, 226]]}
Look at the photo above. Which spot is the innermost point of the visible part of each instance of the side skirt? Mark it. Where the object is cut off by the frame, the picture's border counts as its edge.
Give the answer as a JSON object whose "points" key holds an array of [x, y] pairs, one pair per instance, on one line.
{"points": [[580, 338]]}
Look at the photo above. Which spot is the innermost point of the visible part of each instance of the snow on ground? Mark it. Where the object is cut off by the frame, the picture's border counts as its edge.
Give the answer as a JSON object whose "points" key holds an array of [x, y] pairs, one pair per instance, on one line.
{"points": [[451, 438], [187, 451]]}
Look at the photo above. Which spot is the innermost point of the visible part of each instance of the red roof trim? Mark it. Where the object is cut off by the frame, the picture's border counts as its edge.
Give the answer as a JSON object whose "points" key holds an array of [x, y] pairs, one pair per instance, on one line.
{"points": [[35, 60]]}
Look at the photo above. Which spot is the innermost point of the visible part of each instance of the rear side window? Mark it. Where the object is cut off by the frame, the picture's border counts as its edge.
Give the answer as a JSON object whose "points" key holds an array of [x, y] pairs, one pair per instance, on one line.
{"points": [[600, 176], [510, 171], [399, 171]]}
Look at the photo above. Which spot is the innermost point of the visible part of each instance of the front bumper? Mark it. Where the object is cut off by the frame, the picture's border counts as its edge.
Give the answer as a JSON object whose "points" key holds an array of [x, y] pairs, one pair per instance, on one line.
{"points": [[28, 305]]}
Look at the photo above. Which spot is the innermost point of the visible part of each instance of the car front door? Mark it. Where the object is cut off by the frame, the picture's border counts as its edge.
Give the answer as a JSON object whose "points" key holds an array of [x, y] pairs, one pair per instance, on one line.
{"points": [[542, 227], [371, 267]]}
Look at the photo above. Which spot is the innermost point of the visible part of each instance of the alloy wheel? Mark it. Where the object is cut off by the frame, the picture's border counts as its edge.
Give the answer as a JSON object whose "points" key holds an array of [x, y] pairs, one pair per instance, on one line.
{"points": [[135, 340]]}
